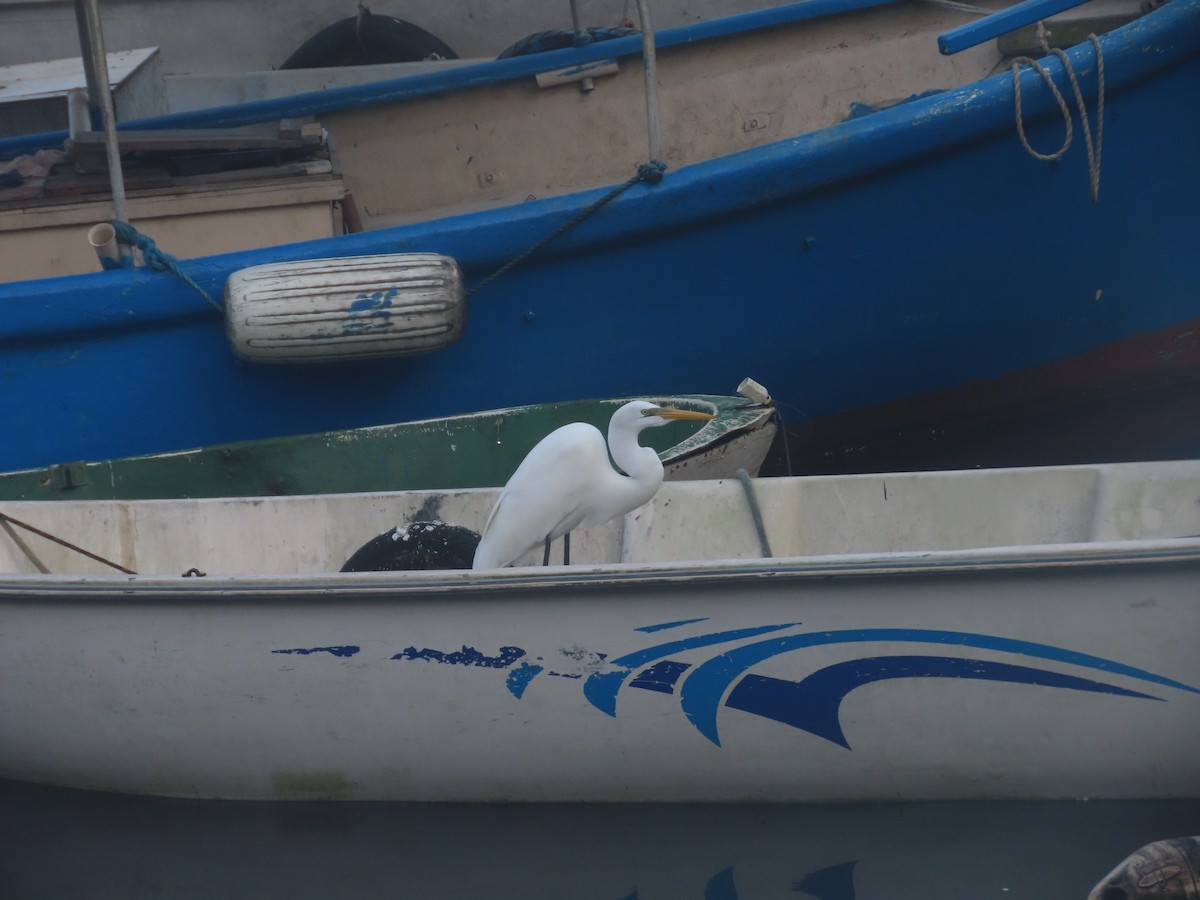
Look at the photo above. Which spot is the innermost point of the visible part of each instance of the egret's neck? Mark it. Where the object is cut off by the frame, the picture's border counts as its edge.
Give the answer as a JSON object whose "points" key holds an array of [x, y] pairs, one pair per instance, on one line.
{"points": [[641, 465], [643, 471]]}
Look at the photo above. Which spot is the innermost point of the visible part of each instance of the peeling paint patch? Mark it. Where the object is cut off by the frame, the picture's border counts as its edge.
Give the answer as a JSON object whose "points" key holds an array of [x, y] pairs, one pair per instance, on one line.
{"points": [[576, 661], [467, 656], [376, 300], [518, 679], [661, 676], [345, 650]]}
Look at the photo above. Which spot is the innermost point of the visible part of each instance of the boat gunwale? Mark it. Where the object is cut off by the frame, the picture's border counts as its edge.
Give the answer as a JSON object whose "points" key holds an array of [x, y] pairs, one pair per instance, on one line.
{"points": [[389, 586], [735, 416]]}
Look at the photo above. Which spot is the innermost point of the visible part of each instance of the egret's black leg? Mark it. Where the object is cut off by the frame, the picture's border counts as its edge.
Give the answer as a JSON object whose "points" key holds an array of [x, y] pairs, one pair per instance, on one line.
{"points": [[546, 553], [567, 549]]}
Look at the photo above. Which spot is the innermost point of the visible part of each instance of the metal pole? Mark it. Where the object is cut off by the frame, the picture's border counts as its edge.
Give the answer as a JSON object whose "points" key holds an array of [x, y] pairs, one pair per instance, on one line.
{"points": [[650, 70], [581, 36], [95, 61], [89, 67]]}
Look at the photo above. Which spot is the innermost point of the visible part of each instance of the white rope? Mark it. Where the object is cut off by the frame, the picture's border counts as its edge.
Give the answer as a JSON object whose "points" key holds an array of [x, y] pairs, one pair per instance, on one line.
{"points": [[1093, 149]]}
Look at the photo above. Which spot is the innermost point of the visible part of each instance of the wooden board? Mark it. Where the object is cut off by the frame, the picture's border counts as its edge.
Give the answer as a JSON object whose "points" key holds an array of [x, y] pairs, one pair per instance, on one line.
{"points": [[42, 80]]}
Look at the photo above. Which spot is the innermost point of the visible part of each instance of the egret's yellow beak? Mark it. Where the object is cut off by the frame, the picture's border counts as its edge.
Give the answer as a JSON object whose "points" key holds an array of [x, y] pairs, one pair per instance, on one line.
{"points": [[666, 412]]}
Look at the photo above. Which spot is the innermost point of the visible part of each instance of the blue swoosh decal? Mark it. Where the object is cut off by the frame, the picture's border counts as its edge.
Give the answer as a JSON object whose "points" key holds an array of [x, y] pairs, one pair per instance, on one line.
{"points": [[832, 883], [814, 704], [345, 650], [467, 656], [601, 687], [518, 679], [667, 625], [661, 676], [703, 690]]}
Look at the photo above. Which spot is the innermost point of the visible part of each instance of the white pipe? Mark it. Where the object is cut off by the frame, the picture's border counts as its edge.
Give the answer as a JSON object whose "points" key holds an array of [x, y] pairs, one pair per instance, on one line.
{"points": [[78, 115], [103, 238]]}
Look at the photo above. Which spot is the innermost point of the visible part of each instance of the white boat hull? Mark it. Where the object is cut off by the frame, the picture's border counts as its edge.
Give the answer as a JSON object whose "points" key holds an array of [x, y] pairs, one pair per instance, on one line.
{"points": [[1039, 671]]}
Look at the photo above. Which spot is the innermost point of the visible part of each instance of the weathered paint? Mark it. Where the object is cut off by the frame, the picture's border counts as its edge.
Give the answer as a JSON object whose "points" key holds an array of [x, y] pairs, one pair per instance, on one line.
{"points": [[345, 309], [832, 299], [961, 634], [1124, 401], [813, 704], [480, 449]]}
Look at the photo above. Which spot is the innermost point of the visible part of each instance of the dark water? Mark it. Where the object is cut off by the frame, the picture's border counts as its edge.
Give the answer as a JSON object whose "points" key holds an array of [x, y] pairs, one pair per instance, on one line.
{"points": [[71, 844]]}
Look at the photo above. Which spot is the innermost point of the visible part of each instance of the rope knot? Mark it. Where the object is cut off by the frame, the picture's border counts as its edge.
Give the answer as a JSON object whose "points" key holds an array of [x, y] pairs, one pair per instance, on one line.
{"points": [[155, 258], [1093, 149], [651, 172]]}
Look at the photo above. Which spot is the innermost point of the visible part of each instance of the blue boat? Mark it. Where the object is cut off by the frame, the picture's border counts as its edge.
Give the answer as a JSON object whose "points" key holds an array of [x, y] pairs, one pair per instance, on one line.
{"points": [[903, 264]]}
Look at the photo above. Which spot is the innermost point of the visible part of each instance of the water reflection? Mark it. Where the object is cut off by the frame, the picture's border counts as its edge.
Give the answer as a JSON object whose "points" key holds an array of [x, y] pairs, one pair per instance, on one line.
{"points": [[64, 844]]}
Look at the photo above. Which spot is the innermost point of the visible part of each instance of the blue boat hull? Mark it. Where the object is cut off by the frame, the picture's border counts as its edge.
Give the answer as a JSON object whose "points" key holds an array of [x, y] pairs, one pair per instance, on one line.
{"points": [[910, 251]]}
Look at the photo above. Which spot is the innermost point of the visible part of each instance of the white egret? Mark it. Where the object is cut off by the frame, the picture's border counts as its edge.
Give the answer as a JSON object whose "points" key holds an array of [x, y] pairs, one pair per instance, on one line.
{"points": [[567, 481]]}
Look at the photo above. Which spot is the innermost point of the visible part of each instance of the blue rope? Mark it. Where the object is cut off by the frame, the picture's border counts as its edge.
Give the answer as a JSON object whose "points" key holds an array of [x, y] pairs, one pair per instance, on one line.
{"points": [[650, 172], [157, 259]]}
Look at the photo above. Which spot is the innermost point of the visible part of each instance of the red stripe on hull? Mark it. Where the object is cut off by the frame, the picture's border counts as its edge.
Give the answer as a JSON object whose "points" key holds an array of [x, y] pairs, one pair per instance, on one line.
{"points": [[1136, 399]]}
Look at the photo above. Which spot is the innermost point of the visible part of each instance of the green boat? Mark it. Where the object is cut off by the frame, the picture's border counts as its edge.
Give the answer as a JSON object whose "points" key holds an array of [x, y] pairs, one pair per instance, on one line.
{"points": [[479, 449]]}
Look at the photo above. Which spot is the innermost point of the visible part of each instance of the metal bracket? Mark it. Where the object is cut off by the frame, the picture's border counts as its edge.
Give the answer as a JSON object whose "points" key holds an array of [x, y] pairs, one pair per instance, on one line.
{"points": [[65, 476]]}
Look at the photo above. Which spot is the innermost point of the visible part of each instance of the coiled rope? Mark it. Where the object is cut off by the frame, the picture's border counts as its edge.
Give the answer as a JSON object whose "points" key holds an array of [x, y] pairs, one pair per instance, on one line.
{"points": [[1093, 150], [651, 173], [157, 259]]}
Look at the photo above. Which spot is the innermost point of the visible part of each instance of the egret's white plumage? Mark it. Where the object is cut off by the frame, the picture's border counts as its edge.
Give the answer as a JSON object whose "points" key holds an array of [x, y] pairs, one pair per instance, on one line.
{"points": [[566, 481]]}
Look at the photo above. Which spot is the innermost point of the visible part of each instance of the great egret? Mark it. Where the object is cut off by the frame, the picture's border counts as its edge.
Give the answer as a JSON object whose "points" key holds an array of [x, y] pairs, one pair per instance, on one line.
{"points": [[567, 481]]}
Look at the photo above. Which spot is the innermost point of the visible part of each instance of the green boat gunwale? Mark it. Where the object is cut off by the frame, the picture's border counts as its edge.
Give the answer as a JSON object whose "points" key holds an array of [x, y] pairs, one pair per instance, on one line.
{"points": [[478, 449]]}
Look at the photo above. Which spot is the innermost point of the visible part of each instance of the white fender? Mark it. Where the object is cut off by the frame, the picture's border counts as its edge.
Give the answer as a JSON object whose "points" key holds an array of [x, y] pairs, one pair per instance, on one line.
{"points": [[356, 307]]}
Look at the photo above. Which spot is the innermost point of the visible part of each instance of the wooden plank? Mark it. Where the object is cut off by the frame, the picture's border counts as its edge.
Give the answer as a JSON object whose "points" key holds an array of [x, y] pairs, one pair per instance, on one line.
{"points": [[78, 185], [171, 201], [88, 150], [54, 78], [187, 139], [29, 190], [69, 184], [262, 173], [306, 132]]}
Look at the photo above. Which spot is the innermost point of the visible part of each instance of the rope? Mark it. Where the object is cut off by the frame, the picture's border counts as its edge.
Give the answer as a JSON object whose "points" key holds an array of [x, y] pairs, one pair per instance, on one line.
{"points": [[787, 450], [42, 534], [24, 547], [157, 259], [363, 12], [755, 512], [651, 173], [1093, 150]]}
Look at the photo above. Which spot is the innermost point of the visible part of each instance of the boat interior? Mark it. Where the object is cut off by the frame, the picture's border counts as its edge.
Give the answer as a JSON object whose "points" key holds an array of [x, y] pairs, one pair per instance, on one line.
{"points": [[814, 516]]}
